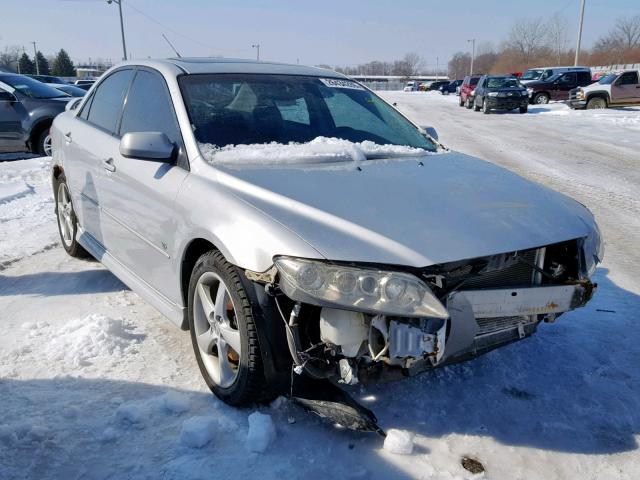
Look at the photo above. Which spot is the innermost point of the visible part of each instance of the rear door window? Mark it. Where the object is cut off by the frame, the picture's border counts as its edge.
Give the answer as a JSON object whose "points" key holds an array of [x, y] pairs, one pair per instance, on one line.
{"points": [[106, 105], [568, 79]]}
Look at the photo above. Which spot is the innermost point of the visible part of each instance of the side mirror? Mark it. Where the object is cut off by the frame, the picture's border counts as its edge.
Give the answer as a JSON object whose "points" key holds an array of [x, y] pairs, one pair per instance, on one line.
{"points": [[73, 104], [430, 131], [154, 146], [7, 96]]}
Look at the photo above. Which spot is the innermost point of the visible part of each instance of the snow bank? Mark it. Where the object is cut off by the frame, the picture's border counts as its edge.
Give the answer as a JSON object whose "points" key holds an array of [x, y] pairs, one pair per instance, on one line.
{"points": [[399, 441], [262, 432], [198, 431], [319, 150], [82, 340], [176, 402]]}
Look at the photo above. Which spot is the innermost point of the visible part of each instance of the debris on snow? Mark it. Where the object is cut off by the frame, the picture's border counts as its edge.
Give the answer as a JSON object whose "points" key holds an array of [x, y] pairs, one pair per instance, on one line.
{"points": [[399, 442], [198, 431], [262, 432], [176, 402], [132, 413]]}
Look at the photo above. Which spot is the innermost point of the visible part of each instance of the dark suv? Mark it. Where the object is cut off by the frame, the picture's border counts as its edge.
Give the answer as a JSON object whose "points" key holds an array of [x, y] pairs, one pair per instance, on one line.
{"points": [[27, 109], [500, 93], [558, 86]]}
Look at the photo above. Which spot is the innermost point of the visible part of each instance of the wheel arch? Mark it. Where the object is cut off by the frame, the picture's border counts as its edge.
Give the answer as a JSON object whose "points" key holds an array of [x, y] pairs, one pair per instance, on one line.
{"points": [[192, 252], [598, 94]]}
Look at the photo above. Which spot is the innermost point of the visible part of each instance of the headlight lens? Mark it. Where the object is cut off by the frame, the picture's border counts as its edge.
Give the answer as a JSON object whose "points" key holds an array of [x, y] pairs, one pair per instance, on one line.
{"points": [[362, 289], [580, 95], [492, 94], [525, 93]]}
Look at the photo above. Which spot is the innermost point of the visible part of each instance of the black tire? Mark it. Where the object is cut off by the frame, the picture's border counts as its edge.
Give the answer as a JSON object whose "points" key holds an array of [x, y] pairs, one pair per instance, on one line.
{"points": [[485, 107], [42, 139], [467, 103], [541, 99], [249, 385], [524, 109], [460, 102], [71, 246], [476, 108], [596, 103]]}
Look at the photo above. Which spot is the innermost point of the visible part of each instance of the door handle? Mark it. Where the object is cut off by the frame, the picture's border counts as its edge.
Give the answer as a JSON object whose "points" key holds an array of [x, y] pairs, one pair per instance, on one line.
{"points": [[108, 165], [67, 137]]}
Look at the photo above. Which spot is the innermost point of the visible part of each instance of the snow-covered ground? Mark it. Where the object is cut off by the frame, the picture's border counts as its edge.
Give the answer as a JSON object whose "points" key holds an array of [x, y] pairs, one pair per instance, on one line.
{"points": [[95, 384]]}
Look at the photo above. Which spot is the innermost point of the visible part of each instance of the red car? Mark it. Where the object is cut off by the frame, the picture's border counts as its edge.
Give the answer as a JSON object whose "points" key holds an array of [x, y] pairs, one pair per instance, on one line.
{"points": [[466, 90]]}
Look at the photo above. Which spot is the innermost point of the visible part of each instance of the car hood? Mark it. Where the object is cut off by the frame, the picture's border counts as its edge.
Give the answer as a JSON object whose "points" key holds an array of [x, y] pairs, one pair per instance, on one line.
{"points": [[410, 211]]}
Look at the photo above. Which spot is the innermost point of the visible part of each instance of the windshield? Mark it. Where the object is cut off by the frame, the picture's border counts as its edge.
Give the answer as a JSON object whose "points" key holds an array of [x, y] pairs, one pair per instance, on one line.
{"points": [[503, 83], [250, 109], [30, 87], [608, 79], [533, 74]]}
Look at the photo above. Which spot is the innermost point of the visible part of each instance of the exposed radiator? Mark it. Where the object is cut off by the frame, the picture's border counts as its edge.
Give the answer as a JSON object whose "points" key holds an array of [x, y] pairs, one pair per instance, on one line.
{"points": [[520, 273], [490, 325]]}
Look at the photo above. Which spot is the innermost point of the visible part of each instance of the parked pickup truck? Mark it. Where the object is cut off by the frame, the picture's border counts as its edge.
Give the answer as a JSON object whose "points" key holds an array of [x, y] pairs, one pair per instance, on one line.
{"points": [[617, 89]]}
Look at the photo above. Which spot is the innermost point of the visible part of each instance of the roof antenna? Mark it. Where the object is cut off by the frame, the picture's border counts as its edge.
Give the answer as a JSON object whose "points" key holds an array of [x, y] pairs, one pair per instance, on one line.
{"points": [[171, 45]]}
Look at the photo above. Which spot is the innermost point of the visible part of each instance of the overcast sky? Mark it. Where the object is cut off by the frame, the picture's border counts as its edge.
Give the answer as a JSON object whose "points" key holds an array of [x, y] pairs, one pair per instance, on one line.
{"points": [[334, 32]]}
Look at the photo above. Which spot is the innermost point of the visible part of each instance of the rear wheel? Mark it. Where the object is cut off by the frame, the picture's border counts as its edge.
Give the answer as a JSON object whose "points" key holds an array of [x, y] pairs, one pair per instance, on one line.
{"points": [[467, 102], [67, 220], [596, 103], [476, 107], [460, 102], [541, 99], [223, 332], [524, 109]]}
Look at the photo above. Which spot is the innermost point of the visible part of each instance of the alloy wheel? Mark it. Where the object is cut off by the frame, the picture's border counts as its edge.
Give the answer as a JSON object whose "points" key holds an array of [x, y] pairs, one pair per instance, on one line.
{"points": [[216, 329], [46, 146], [65, 211]]}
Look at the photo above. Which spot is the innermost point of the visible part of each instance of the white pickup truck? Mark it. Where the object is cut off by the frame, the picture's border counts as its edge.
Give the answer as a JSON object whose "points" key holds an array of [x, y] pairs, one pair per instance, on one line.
{"points": [[613, 90]]}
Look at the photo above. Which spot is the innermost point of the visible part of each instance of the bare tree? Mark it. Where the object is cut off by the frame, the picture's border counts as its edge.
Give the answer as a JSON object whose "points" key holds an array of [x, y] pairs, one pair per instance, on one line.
{"points": [[409, 65], [527, 37], [557, 37], [9, 58], [627, 32], [459, 65]]}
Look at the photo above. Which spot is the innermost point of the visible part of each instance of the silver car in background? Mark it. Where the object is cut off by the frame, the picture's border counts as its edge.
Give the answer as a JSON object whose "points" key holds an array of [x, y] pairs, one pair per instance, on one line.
{"points": [[290, 218]]}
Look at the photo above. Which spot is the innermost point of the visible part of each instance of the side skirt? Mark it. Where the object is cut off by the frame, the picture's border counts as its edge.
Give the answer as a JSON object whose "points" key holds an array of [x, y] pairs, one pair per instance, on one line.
{"points": [[166, 307]]}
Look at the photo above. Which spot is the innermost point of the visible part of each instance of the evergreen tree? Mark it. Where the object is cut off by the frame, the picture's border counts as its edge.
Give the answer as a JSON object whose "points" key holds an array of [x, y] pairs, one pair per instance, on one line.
{"points": [[26, 64], [43, 64], [63, 66]]}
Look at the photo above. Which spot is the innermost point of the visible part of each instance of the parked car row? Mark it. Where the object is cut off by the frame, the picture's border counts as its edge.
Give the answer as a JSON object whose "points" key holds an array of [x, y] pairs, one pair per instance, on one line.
{"points": [[573, 85], [28, 105]]}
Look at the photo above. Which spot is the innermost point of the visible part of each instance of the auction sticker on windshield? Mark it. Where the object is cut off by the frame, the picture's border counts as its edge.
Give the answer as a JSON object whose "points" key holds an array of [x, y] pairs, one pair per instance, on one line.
{"points": [[339, 83]]}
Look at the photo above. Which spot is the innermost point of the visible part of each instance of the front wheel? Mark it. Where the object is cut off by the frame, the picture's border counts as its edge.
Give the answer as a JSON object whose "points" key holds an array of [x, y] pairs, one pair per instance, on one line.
{"points": [[223, 332], [596, 103], [541, 99], [67, 220], [524, 109]]}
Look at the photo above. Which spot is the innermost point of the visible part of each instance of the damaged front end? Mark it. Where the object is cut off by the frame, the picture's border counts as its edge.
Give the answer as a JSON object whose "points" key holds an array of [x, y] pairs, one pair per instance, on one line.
{"points": [[350, 323]]}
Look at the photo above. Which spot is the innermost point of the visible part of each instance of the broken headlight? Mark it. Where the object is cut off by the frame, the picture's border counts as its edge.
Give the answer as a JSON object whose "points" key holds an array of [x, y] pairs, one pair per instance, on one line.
{"points": [[593, 248], [362, 289]]}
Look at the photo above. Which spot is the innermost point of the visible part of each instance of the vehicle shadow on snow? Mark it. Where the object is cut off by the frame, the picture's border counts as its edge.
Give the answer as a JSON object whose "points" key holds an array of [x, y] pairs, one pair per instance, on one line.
{"points": [[73, 427], [61, 283], [572, 387]]}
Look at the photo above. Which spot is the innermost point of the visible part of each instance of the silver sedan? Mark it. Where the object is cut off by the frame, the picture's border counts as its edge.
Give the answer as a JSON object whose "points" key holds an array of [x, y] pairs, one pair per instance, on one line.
{"points": [[291, 219]]}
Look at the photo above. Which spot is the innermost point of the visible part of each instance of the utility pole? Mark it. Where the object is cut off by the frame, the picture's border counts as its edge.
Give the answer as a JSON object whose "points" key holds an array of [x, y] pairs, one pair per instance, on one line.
{"points": [[257, 47], [473, 53], [575, 63], [35, 57], [437, 65], [124, 45]]}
